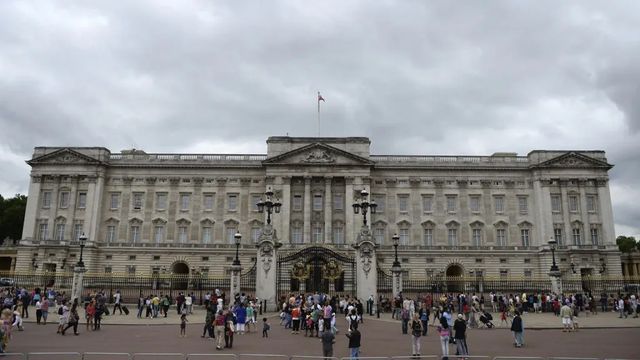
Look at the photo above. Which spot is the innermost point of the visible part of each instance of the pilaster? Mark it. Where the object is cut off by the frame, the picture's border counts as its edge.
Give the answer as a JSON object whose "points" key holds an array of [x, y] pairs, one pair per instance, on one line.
{"points": [[348, 210], [307, 210], [328, 197]]}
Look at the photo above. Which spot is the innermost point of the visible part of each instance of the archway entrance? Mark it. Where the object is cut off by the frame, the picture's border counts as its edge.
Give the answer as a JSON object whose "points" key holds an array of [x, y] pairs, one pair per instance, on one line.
{"points": [[5, 263], [455, 279], [180, 276]]}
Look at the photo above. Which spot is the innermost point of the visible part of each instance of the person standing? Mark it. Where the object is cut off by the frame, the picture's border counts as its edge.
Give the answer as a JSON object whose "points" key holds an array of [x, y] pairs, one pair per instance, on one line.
{"points": [[38, 311], [188, 301], [416, 332], [444, 332], [45, 309], [63, 313], [327, 339], [265, 328], [90, 313], [183, 325], [517, 327], [116, 300], [424, 317], [219, 329], [460, 327], [566, 313], [354, 340]]}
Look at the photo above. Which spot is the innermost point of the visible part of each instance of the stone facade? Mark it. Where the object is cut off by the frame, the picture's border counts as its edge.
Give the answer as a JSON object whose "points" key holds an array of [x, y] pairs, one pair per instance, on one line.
{"points": [[455, 215]]}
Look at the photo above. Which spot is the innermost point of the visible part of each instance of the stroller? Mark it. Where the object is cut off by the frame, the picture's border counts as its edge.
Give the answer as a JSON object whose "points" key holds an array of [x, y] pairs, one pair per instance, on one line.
{"points": [[485, 319]]}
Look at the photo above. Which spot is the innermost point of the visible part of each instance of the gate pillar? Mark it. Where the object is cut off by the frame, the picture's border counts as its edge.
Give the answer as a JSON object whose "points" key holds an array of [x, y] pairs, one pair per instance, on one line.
{"points": [[366, 265], [76, 286], [266, 272]]}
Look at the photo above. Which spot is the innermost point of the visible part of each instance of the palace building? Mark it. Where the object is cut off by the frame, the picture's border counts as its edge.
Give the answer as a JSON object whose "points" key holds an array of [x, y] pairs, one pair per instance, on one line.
{"points": [[146, 213]]}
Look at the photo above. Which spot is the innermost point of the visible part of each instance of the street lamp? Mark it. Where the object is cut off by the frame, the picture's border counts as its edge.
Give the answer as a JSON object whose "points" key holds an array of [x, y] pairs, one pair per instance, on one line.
{"points": [[364, 205], [396, 241], [269, 204], [552, 245], [237, 238], [83, 241]]}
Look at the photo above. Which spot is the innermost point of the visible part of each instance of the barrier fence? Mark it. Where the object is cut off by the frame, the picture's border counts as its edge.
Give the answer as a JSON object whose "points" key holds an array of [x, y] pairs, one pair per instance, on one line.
{"points": [[214, 356], [132, 285]]}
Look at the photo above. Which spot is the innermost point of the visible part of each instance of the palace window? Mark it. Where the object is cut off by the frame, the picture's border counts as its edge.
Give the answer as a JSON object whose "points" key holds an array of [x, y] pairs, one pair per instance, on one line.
{"points": [[256, 231], [498, 202], [501, 237], [46, 199], [64, 199], [556, 203], [404, 236], [43, 230], [158, 234], [577, 236], [427, 236], [60, 231], [557, 234], [184, 201], [338, 233], [183, 234], [231, 230], [161, 201], [595, 234], [317, 233], [114, 201], [135, 234], [524, 236], [317, 202], [403, 203], [208, 202], [297, 202], [296, 234], [452, 236], [474, 203], [77, 229], [573, 203], [523, 205], [232, 202], [592, 203], [338, 202], [378, 235], [451, 203], [111, 234], [207, 234], [476, 237], [137, 201], [82, 200], [427, 203]]}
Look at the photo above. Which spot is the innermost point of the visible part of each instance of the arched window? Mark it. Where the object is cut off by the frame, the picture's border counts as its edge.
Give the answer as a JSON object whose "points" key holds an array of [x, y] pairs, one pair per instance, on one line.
{"points": [[379, 232], [477, 233], [296, 232], [159, 230], [231, 228], [576, 233], [111, 230], [452, 233], [256, 230], [135, 230], [206, 231], [501, 233], [428, 227], [61, 223], [525, 233], [404, 232], [338, 232]]}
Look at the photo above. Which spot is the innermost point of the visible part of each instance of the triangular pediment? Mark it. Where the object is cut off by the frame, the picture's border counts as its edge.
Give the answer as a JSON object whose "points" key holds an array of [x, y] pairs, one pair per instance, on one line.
{"points": [[64, 156], [318, 154], [574, 160]]}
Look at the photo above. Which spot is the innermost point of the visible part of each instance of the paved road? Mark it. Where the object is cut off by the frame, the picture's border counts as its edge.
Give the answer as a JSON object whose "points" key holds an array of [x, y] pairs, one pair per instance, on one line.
{"points": [[380, 338]]}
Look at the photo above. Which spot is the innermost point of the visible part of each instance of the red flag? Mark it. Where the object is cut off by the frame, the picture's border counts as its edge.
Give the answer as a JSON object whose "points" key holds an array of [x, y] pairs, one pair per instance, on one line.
{"points": [[320, 97]]}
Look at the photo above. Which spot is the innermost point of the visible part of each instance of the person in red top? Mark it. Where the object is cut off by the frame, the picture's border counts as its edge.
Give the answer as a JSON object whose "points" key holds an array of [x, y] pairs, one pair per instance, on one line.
{"points": [[219, 329], [90, 313], [295, 317]]}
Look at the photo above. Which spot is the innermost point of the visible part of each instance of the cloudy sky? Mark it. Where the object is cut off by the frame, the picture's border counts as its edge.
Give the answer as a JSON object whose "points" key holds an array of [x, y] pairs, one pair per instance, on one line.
{"points": [[417, 77]]}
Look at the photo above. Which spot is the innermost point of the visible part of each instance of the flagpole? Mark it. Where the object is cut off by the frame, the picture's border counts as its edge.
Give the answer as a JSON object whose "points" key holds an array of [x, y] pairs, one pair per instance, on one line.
{"points": [[318, 113]]}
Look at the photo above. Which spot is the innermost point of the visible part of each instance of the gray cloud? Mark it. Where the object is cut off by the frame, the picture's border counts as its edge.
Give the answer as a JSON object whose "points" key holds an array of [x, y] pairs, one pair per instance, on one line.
{"points": [[414, 76]]}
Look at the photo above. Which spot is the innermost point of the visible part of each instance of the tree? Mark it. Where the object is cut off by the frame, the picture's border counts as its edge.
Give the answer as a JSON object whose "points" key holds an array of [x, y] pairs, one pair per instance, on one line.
{"points": [[626, 244], [12, 217]]}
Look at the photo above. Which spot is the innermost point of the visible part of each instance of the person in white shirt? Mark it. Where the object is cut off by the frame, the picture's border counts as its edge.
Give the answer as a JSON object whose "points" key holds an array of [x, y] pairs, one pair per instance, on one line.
{"points": [[116, 300], [188, 301]]}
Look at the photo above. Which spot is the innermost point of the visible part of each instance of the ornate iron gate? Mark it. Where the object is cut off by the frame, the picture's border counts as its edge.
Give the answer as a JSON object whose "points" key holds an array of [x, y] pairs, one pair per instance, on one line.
{"points": [[316, 268], [248, 280]]}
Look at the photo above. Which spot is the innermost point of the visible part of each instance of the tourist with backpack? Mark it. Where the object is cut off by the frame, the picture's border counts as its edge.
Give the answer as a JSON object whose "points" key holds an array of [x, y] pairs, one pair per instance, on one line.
{"points": [[404, 316], [416, 332]]}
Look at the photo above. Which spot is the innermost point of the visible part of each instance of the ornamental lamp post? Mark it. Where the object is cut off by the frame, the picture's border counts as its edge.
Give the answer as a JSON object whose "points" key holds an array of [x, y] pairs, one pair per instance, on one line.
{"points": [[83, 241], [554, 267], [272, 206], [365, 205], [396, 241], [238, 238]]}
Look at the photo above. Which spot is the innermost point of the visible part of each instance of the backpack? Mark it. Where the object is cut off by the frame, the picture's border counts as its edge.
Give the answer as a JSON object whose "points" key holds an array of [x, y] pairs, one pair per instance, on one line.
{"points": [[60, 310], [405, 314]]}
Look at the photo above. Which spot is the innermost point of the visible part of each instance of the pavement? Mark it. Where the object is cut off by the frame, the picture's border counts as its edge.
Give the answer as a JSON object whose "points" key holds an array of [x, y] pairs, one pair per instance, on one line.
{"points": [[531, 320]]}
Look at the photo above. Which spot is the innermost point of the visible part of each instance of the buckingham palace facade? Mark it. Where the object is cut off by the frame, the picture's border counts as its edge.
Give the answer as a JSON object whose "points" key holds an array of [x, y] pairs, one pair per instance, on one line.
{"points": [[147, 213]]}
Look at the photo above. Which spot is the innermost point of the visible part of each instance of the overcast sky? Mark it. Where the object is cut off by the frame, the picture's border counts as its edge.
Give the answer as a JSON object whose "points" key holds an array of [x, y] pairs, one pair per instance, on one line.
{"points": [[416, 77]]}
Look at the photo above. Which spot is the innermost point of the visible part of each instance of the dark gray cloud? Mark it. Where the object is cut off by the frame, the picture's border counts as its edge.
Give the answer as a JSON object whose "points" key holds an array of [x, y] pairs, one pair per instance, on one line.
{"points": [[416, 77]]}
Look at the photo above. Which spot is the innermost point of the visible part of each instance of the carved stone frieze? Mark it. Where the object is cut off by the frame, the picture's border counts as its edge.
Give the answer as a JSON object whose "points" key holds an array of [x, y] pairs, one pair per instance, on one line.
{"points": [[174, 180], [319, 156], [366, 250]]}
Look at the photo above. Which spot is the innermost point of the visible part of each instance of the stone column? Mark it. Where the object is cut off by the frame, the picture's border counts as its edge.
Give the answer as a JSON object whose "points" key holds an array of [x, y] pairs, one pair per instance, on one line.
{"points": [[566, 219], [266, 267], [235, 281], [366, 266], [328, 200], [306, 237], [348, 211], [284, 218], [606, 214], [29, 231], [76, 286], [542, 213], [397, 280]]}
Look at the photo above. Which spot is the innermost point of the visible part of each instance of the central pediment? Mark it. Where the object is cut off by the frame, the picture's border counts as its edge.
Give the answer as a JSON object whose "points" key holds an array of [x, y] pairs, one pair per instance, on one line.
{"points": [[318, 154]]}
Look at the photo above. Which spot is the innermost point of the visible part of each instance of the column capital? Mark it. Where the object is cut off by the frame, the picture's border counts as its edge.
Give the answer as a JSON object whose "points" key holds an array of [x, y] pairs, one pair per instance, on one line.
{"points": [[328, 180]]}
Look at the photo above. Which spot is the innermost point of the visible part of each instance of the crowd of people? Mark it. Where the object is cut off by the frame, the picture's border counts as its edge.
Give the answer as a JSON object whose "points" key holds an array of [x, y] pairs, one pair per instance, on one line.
{"points": [[316, 314]]}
